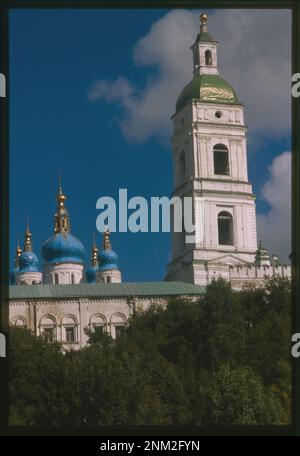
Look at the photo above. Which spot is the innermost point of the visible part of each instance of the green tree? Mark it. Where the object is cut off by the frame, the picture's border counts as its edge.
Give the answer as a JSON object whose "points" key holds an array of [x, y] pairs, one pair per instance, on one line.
{"points": [[234, 395], [37, 378], [223, 359], [120, 384], [268, 314]]}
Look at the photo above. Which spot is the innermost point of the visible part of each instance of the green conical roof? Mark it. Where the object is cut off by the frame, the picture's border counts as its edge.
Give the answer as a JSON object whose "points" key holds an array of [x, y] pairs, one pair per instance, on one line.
{"points": [[205, 36], [209, 88]]}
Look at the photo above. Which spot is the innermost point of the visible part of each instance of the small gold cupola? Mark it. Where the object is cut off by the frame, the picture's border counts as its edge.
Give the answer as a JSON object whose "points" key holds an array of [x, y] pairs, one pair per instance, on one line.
{"points": [[94, 255], [28, 236], [18, 253], [61, 217], [106, 241]]}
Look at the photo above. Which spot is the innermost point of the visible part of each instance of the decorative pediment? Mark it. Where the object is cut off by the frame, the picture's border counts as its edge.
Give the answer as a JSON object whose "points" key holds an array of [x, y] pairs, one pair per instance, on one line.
{"points": [[229, 259]]}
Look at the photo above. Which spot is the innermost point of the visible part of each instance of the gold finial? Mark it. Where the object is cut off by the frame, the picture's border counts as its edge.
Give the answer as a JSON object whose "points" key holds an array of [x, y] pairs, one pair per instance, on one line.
{"points": [[203, 22], [28, 235], [94, 256], [60, 196], [18, 253], [18, 249], [203, 18], [62, 222], [106, 240]]}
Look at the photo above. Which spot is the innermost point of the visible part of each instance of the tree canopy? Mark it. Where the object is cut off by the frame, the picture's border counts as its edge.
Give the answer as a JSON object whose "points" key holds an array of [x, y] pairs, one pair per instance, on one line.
{"points": [[221, 360]]}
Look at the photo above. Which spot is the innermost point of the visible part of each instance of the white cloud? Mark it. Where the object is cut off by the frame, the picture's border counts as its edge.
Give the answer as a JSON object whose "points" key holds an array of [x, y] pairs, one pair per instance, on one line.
{"points": [[275, 226], [254, 56]]}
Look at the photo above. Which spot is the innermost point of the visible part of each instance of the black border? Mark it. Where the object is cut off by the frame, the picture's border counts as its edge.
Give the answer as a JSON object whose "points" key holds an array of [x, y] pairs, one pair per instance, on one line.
{"points": [[5, 430]]}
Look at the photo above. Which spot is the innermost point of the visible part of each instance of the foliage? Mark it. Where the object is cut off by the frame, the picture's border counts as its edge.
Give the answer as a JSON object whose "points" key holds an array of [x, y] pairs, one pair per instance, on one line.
{"points": [[222, 360]]}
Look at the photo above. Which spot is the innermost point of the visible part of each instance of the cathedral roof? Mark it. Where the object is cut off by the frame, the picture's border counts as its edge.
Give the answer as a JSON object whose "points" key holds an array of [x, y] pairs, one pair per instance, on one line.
{"points": [[95, 290], [209, 88]]}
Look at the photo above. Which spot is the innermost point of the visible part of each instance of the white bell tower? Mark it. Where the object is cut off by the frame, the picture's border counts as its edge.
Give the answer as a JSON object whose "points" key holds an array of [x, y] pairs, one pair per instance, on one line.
{"points": [[210, 165]]}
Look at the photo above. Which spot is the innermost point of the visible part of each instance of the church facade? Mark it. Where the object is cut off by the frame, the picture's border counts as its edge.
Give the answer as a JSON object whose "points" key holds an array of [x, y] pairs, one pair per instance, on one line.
{"points": [[210, 161]]}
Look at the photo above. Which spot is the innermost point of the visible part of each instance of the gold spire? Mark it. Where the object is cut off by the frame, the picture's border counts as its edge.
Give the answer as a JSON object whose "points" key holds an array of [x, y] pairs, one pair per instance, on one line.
{"points": [[106, 242], [61, 217], [203, 22], [18, 253], [94, 256], [28, 235]]}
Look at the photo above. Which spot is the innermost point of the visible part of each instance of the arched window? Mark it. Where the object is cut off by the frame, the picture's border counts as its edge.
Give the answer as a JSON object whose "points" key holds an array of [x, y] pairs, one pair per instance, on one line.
{"points": [[208, 57], [72, 278], [108, 279], [221, 162], [118, 321], [56, 280], [181, 168], [69, 324], [48, 328], [225, 228], [98, 323], [20, 322]]}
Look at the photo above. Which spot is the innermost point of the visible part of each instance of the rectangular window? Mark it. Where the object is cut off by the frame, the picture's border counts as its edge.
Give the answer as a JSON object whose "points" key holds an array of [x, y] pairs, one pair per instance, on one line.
{"points": [[120, 331], [221, 162], [49, 334], [70, 334], [98, 329]]}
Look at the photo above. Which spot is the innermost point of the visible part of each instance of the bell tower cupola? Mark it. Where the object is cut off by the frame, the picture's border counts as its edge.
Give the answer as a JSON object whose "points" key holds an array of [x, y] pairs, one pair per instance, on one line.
{"points": [[204, 51]]}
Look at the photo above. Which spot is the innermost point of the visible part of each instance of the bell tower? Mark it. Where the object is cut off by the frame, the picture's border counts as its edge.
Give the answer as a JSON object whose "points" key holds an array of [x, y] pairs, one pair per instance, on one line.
{"points": [[210, 166]]}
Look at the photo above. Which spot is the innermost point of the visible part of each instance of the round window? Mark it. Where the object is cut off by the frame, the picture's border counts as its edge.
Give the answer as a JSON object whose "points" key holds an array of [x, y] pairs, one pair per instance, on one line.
{"points": [[218, 114]]}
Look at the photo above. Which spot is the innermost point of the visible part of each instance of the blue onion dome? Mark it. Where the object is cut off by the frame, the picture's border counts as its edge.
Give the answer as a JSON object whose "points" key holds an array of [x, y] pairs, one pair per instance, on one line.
{"points": [[63, 248], [108, 259], [27, 260], [90, 274]]}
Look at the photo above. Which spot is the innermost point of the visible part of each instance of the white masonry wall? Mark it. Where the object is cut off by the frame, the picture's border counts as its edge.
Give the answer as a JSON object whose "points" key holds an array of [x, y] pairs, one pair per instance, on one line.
{"points": [[80, 313]]}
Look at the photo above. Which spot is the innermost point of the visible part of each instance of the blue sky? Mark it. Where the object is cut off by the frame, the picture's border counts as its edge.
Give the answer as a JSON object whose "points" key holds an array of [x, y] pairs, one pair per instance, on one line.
{"points": [[55, 58]]}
